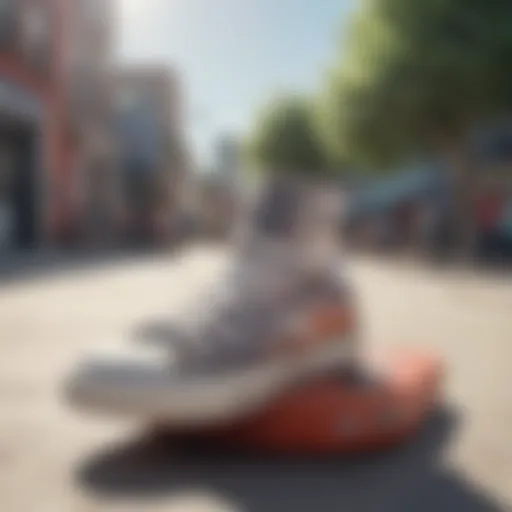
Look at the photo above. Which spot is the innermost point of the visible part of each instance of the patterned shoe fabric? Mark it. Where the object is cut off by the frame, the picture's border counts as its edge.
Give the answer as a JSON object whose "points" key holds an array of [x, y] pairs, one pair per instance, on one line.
{"points": [[254, 302]]}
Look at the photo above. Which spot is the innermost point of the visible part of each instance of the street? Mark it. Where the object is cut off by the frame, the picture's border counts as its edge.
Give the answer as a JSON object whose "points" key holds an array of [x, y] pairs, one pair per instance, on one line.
{"points": [[52, 459]]}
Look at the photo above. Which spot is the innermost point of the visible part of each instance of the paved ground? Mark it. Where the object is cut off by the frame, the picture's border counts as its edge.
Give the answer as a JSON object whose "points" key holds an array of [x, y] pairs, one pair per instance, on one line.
{"points": [[53, 460]]}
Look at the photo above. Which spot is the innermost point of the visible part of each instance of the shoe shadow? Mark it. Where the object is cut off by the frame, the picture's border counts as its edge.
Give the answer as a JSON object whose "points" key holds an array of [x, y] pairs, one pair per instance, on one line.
{"points": [[405, 479]]}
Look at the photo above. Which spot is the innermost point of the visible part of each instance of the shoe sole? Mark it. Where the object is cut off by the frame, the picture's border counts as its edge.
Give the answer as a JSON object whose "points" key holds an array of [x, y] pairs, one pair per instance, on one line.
{"points": [[159, 398]]}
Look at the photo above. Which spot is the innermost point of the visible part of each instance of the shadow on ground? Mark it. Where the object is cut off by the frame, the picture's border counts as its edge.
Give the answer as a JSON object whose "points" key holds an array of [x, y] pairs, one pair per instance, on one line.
{"points": [[411, 478]]}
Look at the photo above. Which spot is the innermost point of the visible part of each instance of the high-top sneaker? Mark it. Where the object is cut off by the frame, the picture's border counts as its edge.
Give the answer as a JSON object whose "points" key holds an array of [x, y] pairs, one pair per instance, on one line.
{"points": [[282, 314], [286, 261]]}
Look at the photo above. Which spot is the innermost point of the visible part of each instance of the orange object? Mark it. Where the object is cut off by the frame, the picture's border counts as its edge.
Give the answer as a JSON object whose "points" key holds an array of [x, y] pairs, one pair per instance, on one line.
{"points": [[331, 321], [334, 415], [322, 326]]}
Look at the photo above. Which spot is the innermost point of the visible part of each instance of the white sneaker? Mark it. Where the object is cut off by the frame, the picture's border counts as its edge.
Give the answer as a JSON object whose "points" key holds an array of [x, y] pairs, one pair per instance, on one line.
{"points": [[269, 326]]}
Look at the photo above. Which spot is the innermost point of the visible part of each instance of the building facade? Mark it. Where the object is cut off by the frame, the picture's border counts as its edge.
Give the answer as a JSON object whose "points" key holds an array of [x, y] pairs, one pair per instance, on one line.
{"points": [[228, 159], [31, 121], [53, 67], [152, 150], [223, 191], [94, 172]]}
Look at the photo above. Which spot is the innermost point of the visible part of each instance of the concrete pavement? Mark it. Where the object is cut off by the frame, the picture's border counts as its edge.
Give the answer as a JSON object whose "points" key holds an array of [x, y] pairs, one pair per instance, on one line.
{"points": [[52, 459]]}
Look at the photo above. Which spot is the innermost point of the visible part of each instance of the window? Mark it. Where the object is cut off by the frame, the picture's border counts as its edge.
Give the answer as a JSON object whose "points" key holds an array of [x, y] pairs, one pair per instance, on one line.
{"points": [[128, 99], [94, 10], [37, 33], [8, 11]]}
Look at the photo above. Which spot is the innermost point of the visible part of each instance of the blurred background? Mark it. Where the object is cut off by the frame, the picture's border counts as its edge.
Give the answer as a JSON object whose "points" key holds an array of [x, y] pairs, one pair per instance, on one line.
{"points": [[124, 124], [142, 126], [93, 152]]}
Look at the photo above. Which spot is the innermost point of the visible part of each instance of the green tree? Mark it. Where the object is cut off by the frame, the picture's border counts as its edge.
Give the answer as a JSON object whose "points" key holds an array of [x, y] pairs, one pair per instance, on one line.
{"points": [[418, 77], [286, 138]]}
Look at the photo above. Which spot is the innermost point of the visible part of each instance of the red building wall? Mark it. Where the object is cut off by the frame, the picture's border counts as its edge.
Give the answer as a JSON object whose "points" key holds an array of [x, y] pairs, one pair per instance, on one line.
{"points": [[49, 88]]}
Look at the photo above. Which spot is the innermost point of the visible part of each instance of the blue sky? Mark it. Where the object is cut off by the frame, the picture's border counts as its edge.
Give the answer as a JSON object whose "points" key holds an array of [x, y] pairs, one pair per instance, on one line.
{"points": [[233, 54]]}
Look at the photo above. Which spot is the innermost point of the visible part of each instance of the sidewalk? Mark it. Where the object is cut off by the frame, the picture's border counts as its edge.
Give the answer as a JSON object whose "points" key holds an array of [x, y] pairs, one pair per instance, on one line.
{"points": [[488, 271], [16, 266]]}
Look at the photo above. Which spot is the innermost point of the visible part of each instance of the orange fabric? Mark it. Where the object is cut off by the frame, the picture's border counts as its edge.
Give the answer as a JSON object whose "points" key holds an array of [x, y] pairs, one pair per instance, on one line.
{"points": [[331, 321], [330, 416], [322, 326]]}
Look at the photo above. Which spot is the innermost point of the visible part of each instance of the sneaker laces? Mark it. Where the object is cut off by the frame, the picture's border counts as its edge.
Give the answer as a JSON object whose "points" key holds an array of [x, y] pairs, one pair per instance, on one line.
{"points": [[242, 306]]}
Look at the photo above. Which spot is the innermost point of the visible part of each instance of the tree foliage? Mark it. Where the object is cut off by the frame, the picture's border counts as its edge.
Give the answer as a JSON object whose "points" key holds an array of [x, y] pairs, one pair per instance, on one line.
{"points": [[286, 139], [418, 76]]}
